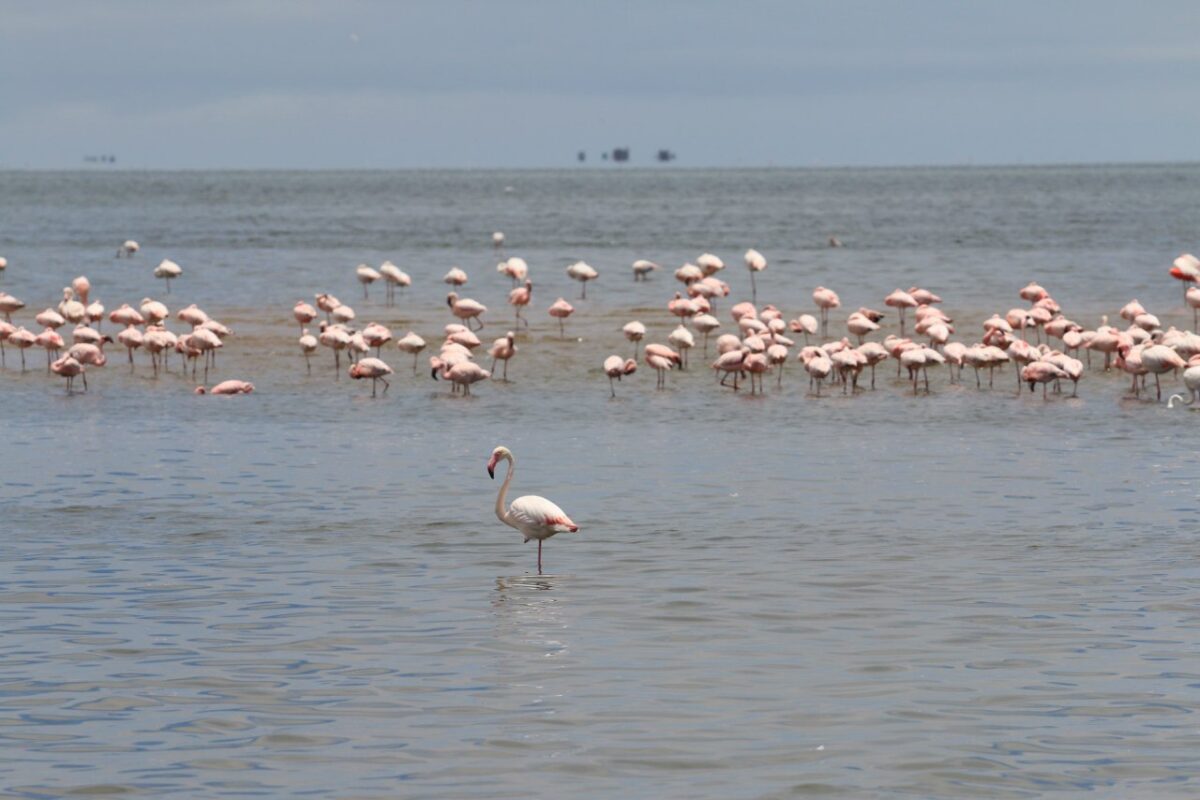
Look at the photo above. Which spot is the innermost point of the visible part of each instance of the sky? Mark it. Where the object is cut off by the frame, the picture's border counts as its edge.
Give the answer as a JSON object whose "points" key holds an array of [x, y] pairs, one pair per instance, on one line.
{"points": [[528, 83]]}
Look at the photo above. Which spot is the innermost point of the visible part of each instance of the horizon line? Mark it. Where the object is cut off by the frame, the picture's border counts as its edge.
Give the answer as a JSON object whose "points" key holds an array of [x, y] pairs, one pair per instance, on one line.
{"points": [[615, 168]]}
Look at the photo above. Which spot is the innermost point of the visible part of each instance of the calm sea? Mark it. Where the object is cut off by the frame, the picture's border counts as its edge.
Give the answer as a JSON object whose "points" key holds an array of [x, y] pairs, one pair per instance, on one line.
{"points": [[305, 592]]}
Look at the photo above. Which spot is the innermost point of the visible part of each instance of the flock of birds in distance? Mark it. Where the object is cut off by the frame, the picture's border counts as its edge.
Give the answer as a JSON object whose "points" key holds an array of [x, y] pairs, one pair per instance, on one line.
{"points": [[1037, 340]]}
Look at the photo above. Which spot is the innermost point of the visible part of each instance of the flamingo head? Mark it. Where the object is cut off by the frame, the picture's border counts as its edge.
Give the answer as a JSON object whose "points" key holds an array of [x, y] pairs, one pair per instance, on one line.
{"points": [[199, 390], [498, 455]]}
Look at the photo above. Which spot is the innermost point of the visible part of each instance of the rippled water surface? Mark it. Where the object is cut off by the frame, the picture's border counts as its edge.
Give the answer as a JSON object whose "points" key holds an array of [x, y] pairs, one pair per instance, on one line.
{"points": [[305, 592]]}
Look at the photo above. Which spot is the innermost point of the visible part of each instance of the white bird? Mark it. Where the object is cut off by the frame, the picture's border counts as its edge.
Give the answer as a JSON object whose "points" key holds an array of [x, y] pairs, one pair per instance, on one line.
{"points": [[167, 270], [583, 273]]}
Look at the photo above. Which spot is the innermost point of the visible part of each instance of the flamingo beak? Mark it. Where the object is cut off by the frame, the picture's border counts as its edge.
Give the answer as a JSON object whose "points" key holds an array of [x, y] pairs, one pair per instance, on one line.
{"points": [[491, 468]]}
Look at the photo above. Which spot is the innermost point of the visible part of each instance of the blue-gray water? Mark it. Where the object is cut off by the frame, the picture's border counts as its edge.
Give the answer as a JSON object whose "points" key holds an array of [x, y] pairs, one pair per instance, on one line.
{"points": [[305, 591]]}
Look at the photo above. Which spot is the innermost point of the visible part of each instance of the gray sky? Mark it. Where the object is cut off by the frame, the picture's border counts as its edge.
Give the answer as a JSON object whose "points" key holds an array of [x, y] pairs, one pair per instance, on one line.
{"points": [[300, 83]]}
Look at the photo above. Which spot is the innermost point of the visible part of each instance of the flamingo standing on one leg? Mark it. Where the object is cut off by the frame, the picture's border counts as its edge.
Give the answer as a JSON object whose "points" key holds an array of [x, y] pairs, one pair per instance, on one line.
{"points": [[535, 517], [615, 367]]}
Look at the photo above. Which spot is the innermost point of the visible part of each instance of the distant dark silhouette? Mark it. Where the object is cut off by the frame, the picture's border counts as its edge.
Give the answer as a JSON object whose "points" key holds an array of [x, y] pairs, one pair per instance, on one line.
{"points": [[665, 155], [582, 156], [620, 154]]}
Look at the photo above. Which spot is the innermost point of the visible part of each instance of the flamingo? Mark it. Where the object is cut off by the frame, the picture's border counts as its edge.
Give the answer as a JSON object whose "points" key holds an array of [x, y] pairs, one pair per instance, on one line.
{"points": [[82, 286], [642, 269], [561, 309], [1041, 372], [455, 277], [413, 344], [706, 324], [615, 367], [503, 349], [498, 239], [755, 262], [903, 301], [168, 270], [518, 298], [688, 273], [583, 273], [661, 358], [1186, 269], [372, 368], [69, 368], [1191, 379], [466, 373], [366, 276], [515, 268], [231, 387], [634, 332], [710, 264], [308, 346], [825, 300], [22, 340], [535, 517], [683, 341], [376, 336], [466, 309], [1160, 359], [10, 304], [128, 249], [394, 277]]}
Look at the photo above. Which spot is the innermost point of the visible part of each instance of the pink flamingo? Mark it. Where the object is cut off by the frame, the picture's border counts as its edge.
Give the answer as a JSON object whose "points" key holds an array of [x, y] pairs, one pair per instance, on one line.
{"points": [[535, 517], [412, 344], [755, 262], [561, 309], [825, 300], [503, 349], [69, 368], [901, 300], [229, 387], [615, 367], [372, 368], [583, 273], [304, 314], [519, 298], [466, 309], [661, 358]]}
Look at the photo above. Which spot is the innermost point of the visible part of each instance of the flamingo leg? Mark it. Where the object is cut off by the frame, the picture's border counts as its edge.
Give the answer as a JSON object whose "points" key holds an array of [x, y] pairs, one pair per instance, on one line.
{"points": [[540, 555]]}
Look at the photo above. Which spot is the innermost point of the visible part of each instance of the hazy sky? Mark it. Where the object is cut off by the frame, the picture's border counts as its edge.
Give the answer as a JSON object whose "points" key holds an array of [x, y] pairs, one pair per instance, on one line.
{"points": [[300, 83]]}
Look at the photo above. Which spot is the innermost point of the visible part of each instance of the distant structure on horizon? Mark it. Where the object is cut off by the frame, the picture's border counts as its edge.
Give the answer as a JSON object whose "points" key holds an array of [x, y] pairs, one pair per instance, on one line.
{"points": [[620, 155], [100, 159]]}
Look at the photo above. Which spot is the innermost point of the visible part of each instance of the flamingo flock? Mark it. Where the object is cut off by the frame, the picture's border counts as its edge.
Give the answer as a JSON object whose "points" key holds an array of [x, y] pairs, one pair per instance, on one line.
{"points": [[1035, 338]]}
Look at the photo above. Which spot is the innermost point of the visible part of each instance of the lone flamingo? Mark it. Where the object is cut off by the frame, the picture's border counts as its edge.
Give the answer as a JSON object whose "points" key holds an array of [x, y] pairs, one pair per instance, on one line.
{"points": [[535, 517]]}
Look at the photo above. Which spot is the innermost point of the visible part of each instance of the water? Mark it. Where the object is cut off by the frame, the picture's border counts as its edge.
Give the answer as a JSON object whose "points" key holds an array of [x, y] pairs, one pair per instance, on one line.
{"points": [[305, 591]]}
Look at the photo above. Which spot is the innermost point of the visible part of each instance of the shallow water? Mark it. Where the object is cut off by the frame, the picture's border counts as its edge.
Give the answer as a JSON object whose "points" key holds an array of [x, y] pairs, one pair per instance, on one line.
{"points": [[970, 593]]}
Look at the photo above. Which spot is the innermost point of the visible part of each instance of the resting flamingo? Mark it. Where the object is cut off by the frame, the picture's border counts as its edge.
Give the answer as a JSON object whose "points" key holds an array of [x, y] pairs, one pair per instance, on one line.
{"points": [[535, 517], [615, 367]]}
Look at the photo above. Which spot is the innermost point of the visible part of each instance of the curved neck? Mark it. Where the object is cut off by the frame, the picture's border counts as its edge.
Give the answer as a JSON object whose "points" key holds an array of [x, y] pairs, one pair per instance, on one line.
{"points": [[500, 510]]}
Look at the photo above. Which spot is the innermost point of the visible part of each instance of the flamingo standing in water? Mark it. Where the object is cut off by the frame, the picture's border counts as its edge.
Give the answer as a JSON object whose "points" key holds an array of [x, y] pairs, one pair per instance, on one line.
{"points": [[502, 350], [561, 309], [411, 343], [615, 367], [755, 262], [535, 517], [372, 368], [466, 309], [583, 273], [518, 298]]}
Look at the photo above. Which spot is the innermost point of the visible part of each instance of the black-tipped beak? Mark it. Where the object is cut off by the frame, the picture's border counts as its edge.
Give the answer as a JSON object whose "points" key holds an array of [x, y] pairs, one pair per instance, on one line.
{"points": [[491, 473], [433, 373]]}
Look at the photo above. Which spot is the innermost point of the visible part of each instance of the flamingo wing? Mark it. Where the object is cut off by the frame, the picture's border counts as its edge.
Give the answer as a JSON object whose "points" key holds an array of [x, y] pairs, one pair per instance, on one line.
{"points": [[539, 513]]}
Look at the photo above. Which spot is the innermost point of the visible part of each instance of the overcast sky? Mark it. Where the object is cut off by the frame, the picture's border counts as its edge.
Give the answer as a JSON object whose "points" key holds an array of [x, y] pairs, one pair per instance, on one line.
{"points": [[466, 83]]}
